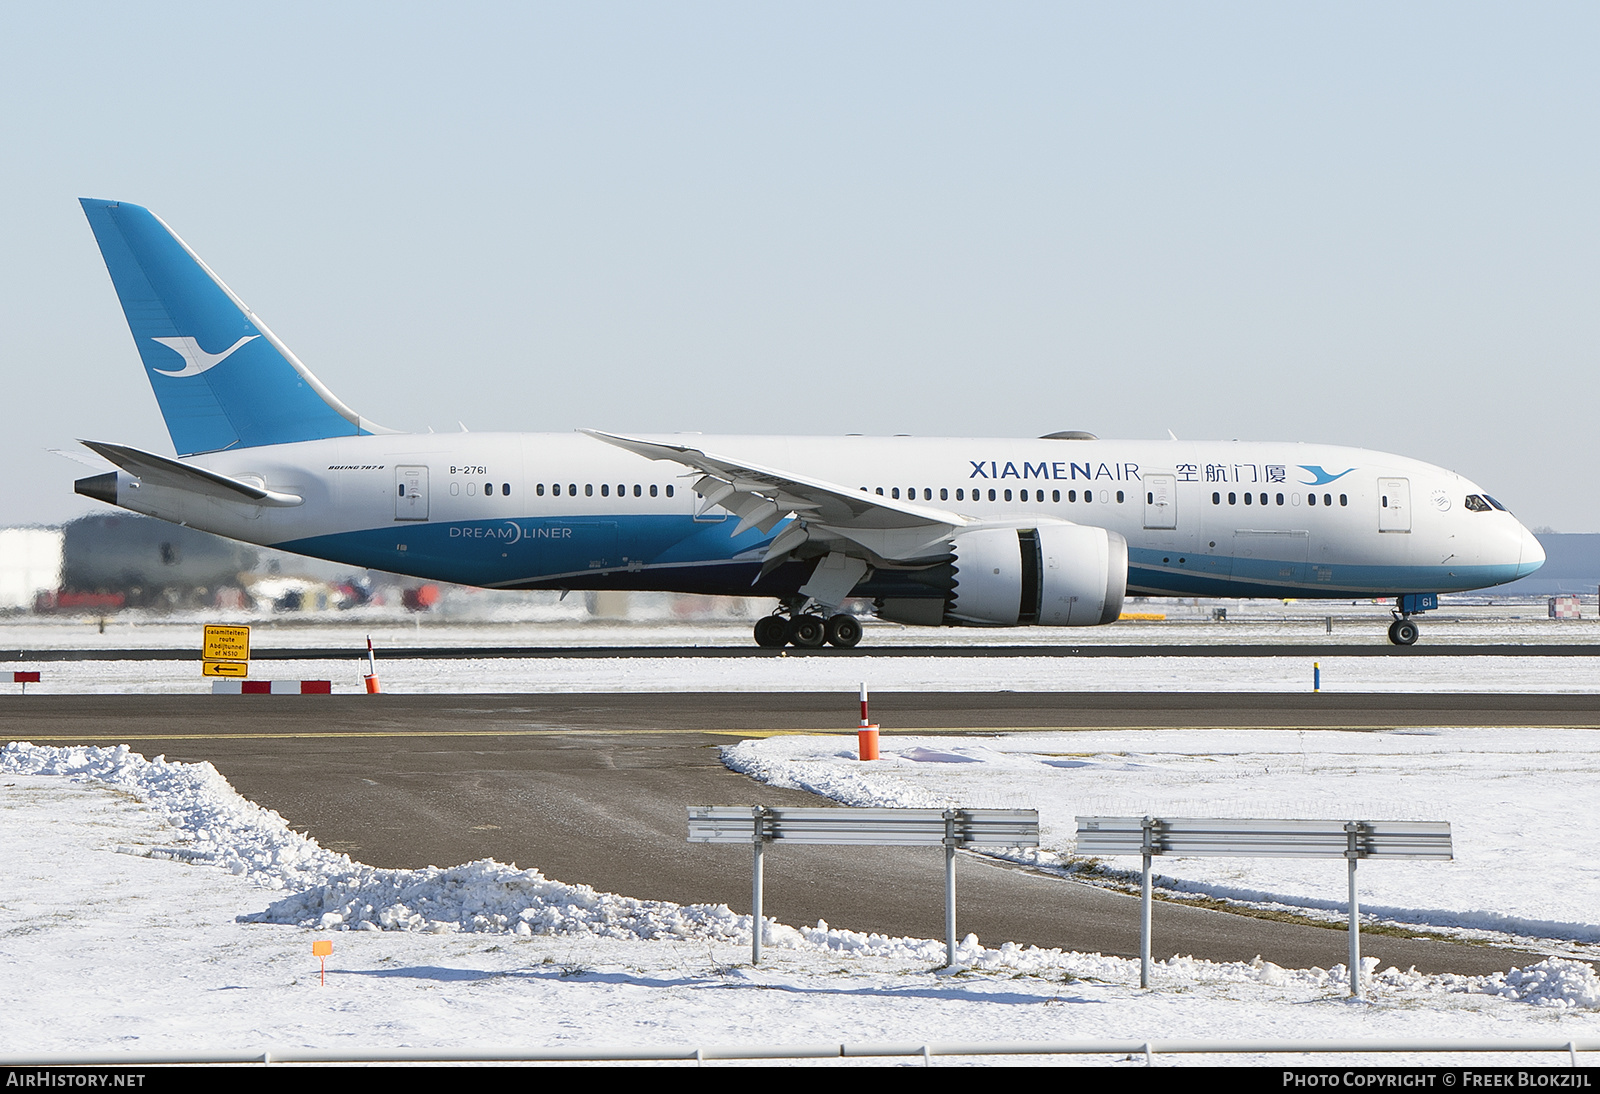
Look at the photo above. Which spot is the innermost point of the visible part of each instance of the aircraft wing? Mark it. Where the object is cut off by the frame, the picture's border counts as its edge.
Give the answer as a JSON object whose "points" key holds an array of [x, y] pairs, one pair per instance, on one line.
{"points": [[828, 515], [162, 471]]}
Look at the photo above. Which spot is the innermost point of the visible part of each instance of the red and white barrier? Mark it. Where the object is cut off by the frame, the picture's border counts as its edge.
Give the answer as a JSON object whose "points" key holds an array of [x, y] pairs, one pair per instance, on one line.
{"points": [[25, 678], [272, 687]]}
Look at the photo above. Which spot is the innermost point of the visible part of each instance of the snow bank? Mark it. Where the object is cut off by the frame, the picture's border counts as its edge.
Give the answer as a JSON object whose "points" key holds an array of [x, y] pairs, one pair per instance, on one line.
{"points": [[217, 826]]}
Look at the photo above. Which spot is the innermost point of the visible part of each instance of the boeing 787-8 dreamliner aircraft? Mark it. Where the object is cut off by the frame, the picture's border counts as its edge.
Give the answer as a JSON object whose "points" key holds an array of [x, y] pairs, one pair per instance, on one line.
{"points": [[934, 531]]}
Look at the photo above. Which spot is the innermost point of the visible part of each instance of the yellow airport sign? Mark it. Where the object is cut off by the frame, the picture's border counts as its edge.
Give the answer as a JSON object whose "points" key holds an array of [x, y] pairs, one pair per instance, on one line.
{"points": [[225, 668], [226, 643]]}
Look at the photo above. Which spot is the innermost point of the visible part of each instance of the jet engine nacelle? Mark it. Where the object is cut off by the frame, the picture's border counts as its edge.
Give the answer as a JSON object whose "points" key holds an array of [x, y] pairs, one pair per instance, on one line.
{"points": [[1054, 575]]}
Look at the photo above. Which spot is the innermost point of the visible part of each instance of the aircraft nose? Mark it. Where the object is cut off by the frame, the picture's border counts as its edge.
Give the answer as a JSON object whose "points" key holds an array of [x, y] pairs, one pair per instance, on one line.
{"points": [[1532, 553]]}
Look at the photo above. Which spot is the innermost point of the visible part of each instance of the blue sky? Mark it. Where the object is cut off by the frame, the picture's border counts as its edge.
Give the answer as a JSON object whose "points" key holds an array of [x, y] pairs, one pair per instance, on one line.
{"points": [[1361, 224]]}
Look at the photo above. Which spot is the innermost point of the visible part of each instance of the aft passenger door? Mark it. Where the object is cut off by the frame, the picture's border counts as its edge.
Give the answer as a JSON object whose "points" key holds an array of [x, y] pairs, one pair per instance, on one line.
{"points": [[411, 493], [1395, 498]]}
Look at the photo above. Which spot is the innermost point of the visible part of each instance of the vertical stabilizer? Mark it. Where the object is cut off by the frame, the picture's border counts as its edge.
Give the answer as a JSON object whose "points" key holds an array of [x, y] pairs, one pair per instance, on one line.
{"points": [[222, 379]]}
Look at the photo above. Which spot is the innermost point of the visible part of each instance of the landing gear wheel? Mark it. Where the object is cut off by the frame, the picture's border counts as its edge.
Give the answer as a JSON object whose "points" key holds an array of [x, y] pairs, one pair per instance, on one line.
{"points": [[808, 631], [844, 631], [1403, 632], [772, 632]]}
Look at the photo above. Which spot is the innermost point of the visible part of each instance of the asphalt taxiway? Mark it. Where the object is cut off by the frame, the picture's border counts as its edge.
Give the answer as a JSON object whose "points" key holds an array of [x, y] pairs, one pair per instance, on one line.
{"points": [[592, 789]]}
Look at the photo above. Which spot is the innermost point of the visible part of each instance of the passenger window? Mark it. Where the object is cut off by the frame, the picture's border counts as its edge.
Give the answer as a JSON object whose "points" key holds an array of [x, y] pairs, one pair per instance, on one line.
{"points": [[1327, 499], [652, 490], [1072, 495], [669, 490], [1216, 498], [894, 491], [880, 491], [488, 489], [927, 494], [539, 490], [1055, 495], [1119, 497], [555, 490], [505, 488], [1248, 499], [944, 494], [572, 489], [1088, 496], [588, 489], [961, 493], [605, 490], [991, 495], [1233, 499], [1311, 499], [1008, 495], [1344, 499], [1280, 499]]}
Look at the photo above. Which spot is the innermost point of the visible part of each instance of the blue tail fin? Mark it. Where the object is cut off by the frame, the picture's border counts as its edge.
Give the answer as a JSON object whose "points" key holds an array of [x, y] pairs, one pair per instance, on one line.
{"points": [[223, 380]]}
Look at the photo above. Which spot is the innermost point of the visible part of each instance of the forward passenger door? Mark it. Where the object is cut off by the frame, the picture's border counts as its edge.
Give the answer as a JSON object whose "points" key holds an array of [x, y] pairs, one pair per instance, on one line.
{"points": [[1395, 498]]}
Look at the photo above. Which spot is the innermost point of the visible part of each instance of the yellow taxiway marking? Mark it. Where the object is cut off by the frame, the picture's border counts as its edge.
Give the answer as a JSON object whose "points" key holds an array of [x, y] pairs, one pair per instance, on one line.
{"points": [[925, 731]]}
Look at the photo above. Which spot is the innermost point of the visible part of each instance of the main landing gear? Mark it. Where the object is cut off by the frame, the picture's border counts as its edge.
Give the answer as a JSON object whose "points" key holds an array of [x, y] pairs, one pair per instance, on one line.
{"points": [[793, 625], [1403, 631]]}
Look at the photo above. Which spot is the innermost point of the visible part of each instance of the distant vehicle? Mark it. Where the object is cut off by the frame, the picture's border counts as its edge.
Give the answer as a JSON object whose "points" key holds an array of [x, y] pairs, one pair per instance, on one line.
{"points": [[953, 531]]}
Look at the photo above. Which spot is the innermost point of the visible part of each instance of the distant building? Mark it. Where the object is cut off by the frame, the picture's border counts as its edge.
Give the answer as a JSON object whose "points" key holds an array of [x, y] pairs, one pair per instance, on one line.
{"points": [[147, 562], [30, 564]]}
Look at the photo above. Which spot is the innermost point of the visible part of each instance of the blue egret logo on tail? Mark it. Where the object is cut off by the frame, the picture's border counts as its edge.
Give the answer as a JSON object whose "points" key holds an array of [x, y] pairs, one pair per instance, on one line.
{"points": [[197, 360]]}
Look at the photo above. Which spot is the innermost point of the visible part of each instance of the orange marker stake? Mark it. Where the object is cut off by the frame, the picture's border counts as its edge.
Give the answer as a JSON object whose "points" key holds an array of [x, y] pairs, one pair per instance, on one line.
{"points": [[322, 948], [372, 670], [867, 733]]}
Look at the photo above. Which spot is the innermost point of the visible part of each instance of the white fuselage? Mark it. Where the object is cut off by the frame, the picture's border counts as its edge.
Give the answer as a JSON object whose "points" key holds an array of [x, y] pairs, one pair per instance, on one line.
{"points": [[570, 511]]}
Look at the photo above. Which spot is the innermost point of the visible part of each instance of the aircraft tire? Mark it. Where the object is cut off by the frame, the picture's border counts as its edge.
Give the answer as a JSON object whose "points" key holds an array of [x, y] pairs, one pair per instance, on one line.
{"points": [[772, 632], [808, 631], [1403, 632], [844, 631]]}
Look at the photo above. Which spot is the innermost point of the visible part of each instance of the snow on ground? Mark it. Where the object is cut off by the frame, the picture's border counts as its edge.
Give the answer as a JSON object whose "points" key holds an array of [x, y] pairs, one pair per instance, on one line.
{"points": [[401, 675], [149, 908], [1519, 801], [1462, 620]]}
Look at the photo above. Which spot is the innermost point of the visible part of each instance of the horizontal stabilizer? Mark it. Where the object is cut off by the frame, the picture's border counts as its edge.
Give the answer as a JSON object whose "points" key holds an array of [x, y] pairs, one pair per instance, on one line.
{"points": [[161, 471]]}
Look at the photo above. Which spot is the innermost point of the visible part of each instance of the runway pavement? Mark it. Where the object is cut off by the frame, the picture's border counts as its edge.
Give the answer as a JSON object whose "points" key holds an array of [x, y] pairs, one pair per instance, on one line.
{"points": [[592, 789]]}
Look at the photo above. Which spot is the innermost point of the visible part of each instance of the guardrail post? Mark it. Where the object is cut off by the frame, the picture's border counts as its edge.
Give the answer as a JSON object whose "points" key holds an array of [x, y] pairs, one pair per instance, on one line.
{"points": [[759, 841], [1144, 903], [950, 886], [1352, 853]]}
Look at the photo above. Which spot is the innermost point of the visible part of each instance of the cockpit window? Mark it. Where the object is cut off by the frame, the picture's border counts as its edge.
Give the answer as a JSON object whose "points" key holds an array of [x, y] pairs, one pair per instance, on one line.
{"points": [[1497, 505], [1477, 504]]}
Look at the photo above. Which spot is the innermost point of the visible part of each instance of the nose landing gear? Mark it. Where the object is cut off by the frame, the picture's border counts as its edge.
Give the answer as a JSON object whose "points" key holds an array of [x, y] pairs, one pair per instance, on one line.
{"points": [[1403, 631]]}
